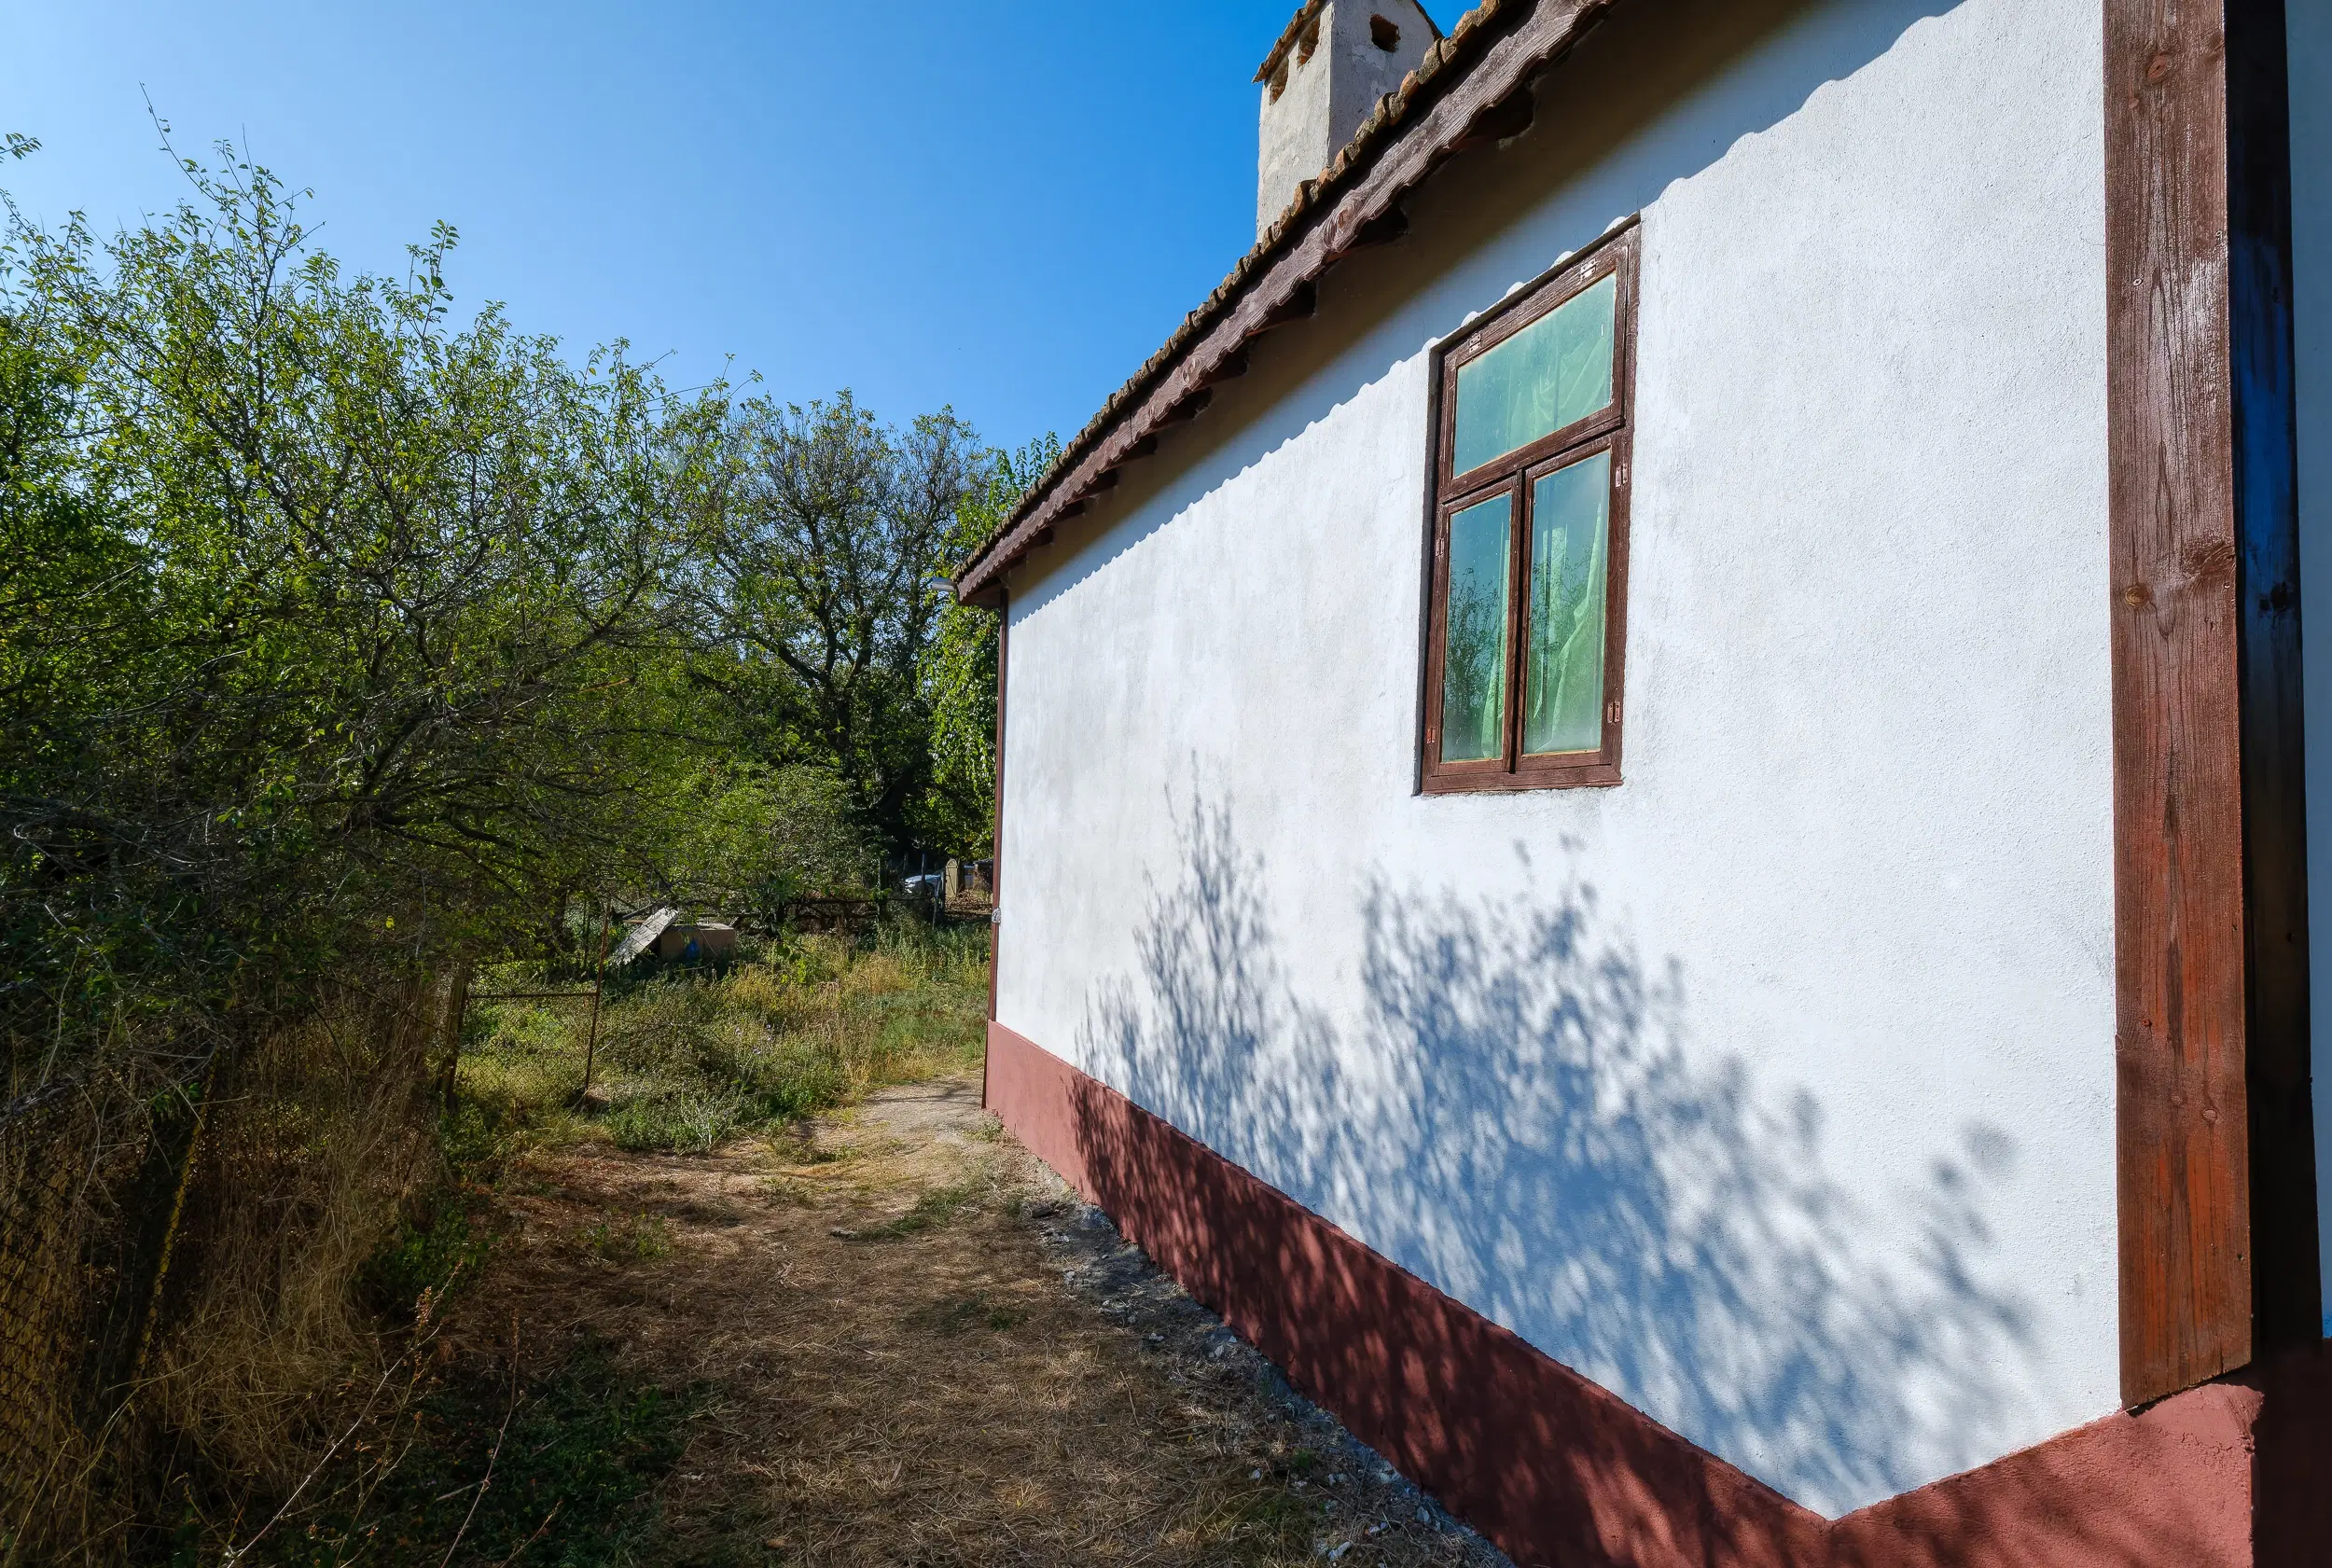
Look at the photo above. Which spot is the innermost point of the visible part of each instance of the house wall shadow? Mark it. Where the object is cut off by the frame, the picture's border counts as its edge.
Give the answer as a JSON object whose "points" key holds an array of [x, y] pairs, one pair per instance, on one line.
{"points": [[1516, 1121]]}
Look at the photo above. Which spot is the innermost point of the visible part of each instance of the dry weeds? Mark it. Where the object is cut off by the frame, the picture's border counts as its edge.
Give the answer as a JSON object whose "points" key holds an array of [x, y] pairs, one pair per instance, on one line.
{"points": [[919, 1350], [311, 1152]]}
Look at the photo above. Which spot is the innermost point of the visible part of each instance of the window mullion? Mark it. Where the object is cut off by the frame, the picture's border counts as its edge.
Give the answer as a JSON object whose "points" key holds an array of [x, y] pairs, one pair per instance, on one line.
{"points": [[1517, 588]]}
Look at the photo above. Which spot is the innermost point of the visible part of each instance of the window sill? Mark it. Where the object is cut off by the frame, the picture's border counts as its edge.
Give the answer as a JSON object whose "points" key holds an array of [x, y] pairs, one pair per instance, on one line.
{"points": [[1580, 775]]}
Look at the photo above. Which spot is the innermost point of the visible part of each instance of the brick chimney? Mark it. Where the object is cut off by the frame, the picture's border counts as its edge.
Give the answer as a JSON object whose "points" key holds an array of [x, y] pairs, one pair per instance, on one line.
{"points": [[1321, 79]]}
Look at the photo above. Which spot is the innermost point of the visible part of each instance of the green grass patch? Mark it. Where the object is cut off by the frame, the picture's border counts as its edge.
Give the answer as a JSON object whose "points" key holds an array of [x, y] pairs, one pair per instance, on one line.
{"points": [[572, 1484], [638, 1240], [681, 1118], [934, 1209], [966, 1314], [687, 1060], [430, 1259]]}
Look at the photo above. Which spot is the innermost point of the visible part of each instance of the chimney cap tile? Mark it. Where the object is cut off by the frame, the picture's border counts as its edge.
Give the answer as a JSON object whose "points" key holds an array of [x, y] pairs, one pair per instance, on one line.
{"points": [[1305, 15]]}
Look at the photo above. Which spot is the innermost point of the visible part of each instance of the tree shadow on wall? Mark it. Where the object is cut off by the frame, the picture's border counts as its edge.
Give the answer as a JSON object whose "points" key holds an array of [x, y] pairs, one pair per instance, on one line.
{"points": [[1513, 1117]]}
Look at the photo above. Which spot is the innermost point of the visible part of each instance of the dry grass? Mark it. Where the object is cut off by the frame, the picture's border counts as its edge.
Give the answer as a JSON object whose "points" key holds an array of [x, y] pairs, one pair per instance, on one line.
{"points": [[49, 1491], [314, 1147], [897, 1371], [845, 1322], [243, 1328], [292, 1283]]}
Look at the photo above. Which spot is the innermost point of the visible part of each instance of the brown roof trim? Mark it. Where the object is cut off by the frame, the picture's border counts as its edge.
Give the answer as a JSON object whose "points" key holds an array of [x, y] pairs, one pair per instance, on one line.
{"points": [[1471, 86]]}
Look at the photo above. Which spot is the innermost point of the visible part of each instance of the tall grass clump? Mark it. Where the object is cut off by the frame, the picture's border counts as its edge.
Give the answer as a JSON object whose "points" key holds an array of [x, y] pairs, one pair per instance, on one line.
{"points": [[320, 1142], [688, 1060]]}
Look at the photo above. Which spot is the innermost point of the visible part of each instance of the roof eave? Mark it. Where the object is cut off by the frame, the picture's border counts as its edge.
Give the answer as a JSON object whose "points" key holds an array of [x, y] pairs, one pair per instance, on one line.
{"points": [[1473, 86]]}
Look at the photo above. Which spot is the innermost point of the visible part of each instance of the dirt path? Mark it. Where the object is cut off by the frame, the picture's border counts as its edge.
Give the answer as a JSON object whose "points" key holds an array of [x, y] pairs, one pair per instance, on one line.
{"points": [[915, 1347]]}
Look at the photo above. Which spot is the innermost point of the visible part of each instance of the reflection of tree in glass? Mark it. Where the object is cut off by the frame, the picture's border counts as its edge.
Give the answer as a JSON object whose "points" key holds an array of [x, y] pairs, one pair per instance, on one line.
{"points": [[1474, 662], [1583, 371], [1563, 676], [1552, 373]]}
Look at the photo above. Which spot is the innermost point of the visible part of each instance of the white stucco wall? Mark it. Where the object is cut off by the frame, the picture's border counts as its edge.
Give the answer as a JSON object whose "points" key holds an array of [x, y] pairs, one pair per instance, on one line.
{"points": [[2310, 29], [1773, 1089]]}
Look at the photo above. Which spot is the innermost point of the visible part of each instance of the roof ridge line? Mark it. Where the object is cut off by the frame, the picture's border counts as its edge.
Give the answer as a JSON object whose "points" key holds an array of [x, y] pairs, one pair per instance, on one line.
{"points": [[1445, 65]]}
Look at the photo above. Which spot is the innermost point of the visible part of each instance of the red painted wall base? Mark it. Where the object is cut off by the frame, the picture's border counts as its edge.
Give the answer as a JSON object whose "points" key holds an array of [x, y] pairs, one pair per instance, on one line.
{"points": [[2237, 1474]]}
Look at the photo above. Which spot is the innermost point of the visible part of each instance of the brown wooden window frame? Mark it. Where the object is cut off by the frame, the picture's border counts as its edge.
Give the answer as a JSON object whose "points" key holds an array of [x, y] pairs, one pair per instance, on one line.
{"points": [[1609, 429]]}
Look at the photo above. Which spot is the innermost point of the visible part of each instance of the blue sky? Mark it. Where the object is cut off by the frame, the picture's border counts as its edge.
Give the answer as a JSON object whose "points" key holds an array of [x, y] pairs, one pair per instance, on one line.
{"points": [[1002, 206]]}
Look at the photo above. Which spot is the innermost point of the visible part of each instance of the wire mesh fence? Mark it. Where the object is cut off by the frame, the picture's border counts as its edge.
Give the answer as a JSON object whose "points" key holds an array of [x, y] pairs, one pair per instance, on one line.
{"points": [[43, 1302], [176, 1250], [578, 1012]]}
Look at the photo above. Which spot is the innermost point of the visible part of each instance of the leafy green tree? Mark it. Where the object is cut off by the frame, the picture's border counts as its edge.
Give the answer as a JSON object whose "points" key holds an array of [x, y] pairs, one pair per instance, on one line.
{"points": [[325, 619], [339, 644], [959, 673], [819, 591], [734, 837], [344, 643]]}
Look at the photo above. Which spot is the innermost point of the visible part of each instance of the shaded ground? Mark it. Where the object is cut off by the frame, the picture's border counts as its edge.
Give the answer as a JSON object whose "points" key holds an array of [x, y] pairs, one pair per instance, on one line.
{"points": [[906, 1343]]}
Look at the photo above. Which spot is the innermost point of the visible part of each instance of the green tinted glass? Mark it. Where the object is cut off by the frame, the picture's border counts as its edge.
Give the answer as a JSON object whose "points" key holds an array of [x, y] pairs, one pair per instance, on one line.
{"points": [[1474, 656], [1554, 372], [1563, 665]]}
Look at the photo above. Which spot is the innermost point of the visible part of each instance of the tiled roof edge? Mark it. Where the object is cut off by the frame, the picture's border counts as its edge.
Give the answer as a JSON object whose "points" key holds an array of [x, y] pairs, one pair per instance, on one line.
{"points": [[1553, 27], [1304, 13]]}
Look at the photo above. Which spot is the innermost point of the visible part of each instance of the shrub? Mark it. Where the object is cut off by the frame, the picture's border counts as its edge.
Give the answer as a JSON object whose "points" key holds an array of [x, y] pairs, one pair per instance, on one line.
{"points": [[574, 1474], [434, 1258]]}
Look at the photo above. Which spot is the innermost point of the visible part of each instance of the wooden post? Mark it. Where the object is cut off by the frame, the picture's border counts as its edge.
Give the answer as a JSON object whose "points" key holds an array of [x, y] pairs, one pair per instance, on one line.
{"points": [[2216, 1167], [599, 986], [450, 1023]]}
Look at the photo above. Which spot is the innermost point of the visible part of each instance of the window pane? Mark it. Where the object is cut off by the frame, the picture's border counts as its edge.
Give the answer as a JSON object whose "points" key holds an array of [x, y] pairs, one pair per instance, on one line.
{"points": [[1473, 657], [1554, 372], [1562, 666]]}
